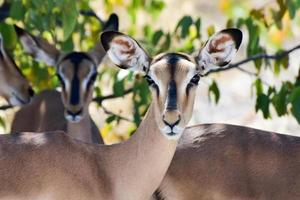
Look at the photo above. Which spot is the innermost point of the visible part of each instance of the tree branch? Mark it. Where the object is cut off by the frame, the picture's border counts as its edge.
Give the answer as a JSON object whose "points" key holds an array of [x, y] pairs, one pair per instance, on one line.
{"points": [[5, 107], [118, 116], [91, 13], [112, 96], [275, 56]]}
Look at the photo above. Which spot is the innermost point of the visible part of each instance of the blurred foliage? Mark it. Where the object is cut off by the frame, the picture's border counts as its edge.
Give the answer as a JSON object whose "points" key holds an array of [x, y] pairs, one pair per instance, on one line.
{"points": [[60, 22]]}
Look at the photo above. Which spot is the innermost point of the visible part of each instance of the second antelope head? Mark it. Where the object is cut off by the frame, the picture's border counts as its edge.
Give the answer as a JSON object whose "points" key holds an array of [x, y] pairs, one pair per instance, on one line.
{"points": [[14, 87], [76, 71], [172, 77]]}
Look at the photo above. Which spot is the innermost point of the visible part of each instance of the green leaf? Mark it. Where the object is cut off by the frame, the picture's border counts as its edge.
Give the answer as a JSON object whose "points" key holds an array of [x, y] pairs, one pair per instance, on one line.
{"points": [[258, 87], [279, 100], [9, 35], [69, 19], [166, 44], [213, 89], [118, 87], [291, 5], [2, 123], [157, 36], [184, 24], [198, 27], [295, 99], [262, 103], [67, 45], [110, 119], [17, 10]]}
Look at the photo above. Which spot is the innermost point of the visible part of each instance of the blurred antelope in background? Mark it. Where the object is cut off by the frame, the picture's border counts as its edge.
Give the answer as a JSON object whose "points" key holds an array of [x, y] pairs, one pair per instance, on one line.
{"points": [[14, 87], [68, 110]]}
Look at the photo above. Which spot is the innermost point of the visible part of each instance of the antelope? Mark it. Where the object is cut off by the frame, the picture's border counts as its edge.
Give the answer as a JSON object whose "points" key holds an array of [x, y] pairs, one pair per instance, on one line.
{"points": [[222, 162], [67, 111], [14, 87], [55, 166]]}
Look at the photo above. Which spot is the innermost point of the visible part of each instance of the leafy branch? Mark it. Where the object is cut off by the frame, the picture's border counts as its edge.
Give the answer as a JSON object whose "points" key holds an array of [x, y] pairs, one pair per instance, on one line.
{"points": [[99, 100], [275, 56], [5, 107]]}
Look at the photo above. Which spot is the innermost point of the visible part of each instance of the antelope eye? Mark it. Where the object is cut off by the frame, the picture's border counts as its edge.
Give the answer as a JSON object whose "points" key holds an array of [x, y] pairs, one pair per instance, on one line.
{"points": [[195, 79], [149, 80]]}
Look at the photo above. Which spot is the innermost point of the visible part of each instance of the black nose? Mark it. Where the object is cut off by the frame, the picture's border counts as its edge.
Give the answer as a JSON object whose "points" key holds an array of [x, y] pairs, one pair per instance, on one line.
{"points": [[31, 92], [173, 124], [74, 114]]}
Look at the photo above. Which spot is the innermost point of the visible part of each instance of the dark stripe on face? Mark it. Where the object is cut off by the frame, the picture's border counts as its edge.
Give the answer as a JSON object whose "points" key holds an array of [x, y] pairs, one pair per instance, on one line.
{"points": [[169, 55], [172, 62], [76, 58], [172, 96], [75, 89]]}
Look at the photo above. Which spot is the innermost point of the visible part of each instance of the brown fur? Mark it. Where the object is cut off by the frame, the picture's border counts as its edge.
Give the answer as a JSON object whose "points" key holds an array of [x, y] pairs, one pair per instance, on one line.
{"points": [[223, 162], [214, 46], [12, 81], [48, 115], [54, 106], [55, 166]]}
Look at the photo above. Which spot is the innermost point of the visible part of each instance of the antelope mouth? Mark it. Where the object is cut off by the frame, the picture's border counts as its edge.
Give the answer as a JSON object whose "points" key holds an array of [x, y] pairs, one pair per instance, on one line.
{"points": [[74, 116]]}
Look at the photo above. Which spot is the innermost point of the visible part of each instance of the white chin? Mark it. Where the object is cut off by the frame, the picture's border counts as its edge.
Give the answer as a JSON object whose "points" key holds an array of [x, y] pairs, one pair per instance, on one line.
{"points": [[172, 135], [72, 119]]}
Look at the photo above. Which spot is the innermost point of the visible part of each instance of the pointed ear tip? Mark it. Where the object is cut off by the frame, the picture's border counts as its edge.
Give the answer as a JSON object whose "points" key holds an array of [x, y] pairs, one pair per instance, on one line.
{"points": [[107, 36], [112, 22], [236, 34], [114, 16]]}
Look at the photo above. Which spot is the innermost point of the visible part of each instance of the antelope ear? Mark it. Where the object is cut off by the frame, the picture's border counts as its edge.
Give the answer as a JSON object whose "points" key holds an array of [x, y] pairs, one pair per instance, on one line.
{"points": [[112, 24], [125, 52], [38, 48], [219, 50]]}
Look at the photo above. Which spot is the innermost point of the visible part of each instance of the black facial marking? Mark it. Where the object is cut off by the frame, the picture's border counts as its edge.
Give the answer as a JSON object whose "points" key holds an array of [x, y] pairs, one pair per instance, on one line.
{"points": [[1, 55], [171, 56], [172, 61], [75, 89], [172, 96], [76, 58]]}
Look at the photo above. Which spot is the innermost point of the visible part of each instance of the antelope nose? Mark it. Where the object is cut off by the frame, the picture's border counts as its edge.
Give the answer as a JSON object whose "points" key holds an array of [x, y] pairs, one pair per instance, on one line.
{"points": [[31, 92], [74, 114], [171, 119]]}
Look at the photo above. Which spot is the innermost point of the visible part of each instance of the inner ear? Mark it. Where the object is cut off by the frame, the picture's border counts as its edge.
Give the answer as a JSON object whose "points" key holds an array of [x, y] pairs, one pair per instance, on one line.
{"points": [[219, 50], [125, 52], [38, 47]]}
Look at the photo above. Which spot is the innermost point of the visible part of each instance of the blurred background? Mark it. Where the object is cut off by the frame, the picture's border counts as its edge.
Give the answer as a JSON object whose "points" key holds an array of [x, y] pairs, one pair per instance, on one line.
{"points": [[263, 93]]}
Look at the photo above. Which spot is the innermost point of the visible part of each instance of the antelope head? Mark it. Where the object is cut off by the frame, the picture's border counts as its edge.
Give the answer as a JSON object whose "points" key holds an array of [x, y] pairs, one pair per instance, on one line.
{"points": [[14, 87], [172, 77], [76, 71]]}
